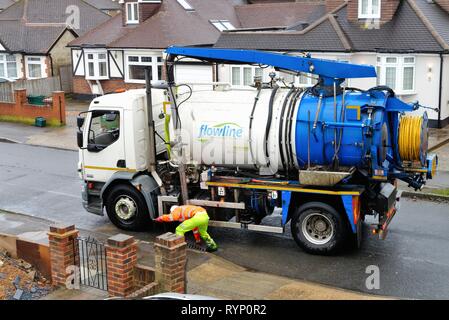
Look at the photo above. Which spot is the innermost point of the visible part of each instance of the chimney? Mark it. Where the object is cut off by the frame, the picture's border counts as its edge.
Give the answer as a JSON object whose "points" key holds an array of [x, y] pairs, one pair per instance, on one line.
{"points": [[145, 10]]}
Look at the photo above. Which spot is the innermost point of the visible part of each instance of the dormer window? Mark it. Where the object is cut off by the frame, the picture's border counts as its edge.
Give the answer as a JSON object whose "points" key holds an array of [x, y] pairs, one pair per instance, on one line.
{"points": [[222, 25], [369, 9], [132, 12]]}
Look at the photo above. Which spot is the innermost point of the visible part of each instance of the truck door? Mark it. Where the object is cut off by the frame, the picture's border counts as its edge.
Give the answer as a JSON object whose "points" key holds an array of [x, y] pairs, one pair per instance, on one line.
{"points": [[104, 152]]}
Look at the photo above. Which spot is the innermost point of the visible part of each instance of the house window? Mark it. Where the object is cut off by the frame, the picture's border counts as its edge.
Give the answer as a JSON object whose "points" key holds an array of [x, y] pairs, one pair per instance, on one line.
{"points": [[136, 65], [222, 25], [243, 76], [35, 67], [132, 12], [97, 65], [369, 9], [8, 66], [397, 72]]}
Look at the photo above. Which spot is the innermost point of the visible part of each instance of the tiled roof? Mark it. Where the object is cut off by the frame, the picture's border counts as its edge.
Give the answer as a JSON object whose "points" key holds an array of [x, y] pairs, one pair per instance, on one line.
{"points": [[169, 26], [279, 14], [406, 32], [104, 4], [33, 26]]}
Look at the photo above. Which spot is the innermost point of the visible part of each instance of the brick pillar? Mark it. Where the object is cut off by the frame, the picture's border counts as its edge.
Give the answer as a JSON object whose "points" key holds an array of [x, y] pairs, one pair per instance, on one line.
{"points": [[121, 257], [171, 259], [62, 241], [59, 106], [20, 97]]}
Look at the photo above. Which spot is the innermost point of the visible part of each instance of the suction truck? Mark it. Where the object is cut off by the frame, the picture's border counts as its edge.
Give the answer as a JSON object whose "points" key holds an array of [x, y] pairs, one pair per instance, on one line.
{"points": [[320, 159]]}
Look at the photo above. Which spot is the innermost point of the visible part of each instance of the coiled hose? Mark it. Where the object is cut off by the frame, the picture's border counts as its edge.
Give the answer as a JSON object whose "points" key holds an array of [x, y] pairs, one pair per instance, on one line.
{"points": [[410, 138]]}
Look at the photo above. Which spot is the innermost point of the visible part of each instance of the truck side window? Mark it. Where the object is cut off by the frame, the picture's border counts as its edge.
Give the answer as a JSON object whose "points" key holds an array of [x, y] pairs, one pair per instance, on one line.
{"points": [[104, 129]]}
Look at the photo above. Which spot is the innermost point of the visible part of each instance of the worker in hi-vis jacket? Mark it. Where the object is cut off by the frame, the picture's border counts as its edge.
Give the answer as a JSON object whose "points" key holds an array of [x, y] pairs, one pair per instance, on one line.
{"points": [[194, 219]]}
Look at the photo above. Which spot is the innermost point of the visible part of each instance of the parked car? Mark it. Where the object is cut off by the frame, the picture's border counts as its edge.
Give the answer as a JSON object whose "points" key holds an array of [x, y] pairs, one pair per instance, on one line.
{"points": [[3, 80]]}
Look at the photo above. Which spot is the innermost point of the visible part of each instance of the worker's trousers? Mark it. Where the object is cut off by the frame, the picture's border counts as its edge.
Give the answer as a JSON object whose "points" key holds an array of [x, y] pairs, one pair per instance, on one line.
{"points": [[200, 221]]}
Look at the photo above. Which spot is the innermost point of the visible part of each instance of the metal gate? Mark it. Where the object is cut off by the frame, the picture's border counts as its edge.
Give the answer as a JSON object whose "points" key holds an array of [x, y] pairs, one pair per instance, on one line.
{"points": [[91, 255]]}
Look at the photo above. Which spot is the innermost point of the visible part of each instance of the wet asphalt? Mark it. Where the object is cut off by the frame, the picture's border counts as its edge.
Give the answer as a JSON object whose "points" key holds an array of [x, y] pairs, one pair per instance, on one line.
{"points": [[413, 261]]}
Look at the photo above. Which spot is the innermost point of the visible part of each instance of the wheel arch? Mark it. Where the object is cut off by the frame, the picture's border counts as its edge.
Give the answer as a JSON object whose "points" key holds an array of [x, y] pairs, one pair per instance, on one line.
{"points": [[338, 202], [145, 184]]}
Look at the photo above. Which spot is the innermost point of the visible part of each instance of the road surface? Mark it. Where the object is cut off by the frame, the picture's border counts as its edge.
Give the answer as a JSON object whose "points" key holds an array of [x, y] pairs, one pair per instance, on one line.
{"points": [[413, 261]]}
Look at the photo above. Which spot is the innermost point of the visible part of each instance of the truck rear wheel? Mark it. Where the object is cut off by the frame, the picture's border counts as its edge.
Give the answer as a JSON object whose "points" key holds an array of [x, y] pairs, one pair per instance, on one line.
{"points": [[127, 209], [318, 228]]}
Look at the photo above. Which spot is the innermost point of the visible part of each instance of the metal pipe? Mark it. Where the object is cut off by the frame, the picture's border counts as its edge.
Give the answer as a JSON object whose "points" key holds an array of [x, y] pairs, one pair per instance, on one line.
{"points": [[151, 126]]}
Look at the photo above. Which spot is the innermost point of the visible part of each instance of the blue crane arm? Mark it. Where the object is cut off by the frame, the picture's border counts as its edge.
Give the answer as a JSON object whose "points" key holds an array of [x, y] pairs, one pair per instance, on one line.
{"points": [[324, 68]]}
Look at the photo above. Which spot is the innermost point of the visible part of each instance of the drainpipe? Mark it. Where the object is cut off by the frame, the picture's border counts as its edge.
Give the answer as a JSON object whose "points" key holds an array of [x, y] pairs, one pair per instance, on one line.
{"points": [[440, 93]]}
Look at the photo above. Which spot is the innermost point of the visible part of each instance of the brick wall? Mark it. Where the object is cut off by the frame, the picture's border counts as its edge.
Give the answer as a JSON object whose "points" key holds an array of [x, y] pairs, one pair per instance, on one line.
{"points": [[171, 259], [22, 110], [121, 257], [331, 5], [387, 10], [80, 85], [62, 252]]}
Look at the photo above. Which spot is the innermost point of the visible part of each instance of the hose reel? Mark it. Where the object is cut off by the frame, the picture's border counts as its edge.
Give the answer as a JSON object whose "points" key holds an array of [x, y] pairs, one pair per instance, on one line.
{"points": [[413, 139]]}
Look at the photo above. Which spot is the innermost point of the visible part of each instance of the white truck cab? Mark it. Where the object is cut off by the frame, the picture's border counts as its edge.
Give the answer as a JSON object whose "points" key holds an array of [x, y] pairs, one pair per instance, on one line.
{"points": [[114, 144]]}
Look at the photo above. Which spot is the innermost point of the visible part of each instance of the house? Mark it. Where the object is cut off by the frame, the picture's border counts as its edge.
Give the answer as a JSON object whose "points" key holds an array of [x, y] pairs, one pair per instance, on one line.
{"points": [[408, 42], [5, 4], [33, 37], [115, 54]]}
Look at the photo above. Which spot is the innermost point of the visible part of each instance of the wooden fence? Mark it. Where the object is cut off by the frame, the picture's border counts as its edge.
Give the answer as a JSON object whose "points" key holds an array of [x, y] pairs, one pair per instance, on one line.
{"points": [[38, 87]]}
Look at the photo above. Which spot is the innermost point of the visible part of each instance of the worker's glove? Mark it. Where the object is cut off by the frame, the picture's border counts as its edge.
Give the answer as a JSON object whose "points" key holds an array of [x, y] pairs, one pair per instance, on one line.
{"points": [[159, 220]]}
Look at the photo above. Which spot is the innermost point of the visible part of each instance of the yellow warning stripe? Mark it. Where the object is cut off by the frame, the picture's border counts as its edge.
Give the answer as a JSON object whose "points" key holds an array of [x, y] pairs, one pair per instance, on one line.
{"points": [[110, 169], [282, 188]]}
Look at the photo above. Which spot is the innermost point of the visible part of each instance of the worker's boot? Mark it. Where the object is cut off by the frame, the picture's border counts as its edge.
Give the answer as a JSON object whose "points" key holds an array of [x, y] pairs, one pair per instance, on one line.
{"points": [[211, 245]]}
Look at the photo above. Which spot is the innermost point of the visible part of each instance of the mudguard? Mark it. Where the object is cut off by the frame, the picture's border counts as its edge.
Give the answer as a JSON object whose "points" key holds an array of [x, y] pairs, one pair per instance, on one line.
{"points": [[144, 183]]}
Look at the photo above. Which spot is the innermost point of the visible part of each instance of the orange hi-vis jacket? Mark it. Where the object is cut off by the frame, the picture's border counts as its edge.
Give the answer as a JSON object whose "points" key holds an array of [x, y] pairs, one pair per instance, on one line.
{"points": [[184, 213]]}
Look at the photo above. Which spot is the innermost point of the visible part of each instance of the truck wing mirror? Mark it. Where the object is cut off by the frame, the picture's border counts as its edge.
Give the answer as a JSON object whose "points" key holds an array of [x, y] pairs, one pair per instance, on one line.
{"points": [[80, 121], [79, 137]]}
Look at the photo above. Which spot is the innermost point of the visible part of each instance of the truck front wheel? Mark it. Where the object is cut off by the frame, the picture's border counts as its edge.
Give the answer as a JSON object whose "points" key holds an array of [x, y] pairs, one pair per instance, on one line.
{"points": [[127, 209], [318, 228]]}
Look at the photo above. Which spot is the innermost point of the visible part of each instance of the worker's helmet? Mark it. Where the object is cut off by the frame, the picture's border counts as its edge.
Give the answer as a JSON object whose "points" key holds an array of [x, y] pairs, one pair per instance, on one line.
{"points": [[173, 208]]}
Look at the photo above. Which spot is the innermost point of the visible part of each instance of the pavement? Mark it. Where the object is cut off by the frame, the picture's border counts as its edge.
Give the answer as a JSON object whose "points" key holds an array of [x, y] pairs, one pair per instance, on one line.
{"points": [[208, 275]]}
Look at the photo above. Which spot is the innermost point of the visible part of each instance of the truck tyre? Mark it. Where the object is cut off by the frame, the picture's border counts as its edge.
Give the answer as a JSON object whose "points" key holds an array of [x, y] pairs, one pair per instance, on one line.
{"points": [[127, 209], [318, 228]]}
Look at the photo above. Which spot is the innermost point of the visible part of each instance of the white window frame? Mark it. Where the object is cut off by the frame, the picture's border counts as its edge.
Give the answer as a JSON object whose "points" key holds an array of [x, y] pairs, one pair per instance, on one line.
{"points": [[134, 6], [222, 25], [96, 61], [41, 63], [400, 65], [5, 62], [370, 14], [242, 75], [154, 65]]}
